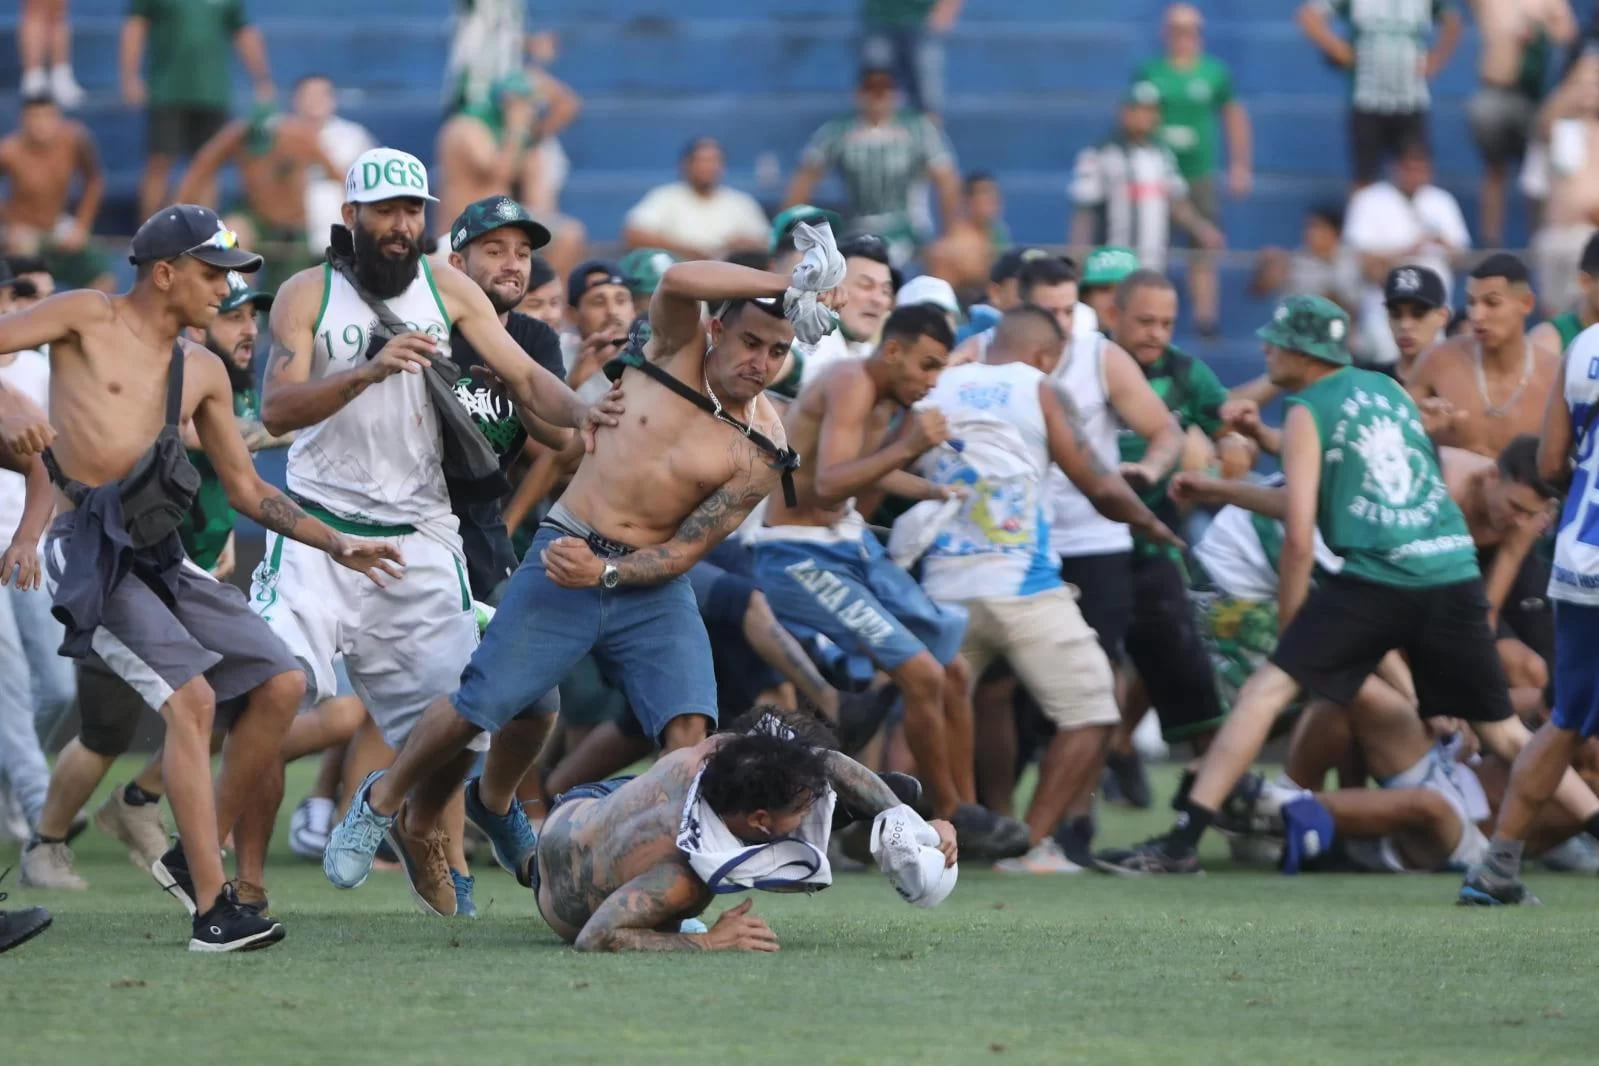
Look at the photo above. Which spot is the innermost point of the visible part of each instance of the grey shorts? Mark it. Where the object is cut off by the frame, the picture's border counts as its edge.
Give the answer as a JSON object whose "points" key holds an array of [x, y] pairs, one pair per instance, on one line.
{"points": [[208, 630], [1501, 120]]}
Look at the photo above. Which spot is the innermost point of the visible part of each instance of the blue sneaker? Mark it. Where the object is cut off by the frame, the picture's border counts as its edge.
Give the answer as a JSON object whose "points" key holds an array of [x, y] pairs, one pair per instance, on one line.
{"points": [[354, 841], [1308, 829], [464, 907], [692, 926], [510, 833], [1484, 888]]}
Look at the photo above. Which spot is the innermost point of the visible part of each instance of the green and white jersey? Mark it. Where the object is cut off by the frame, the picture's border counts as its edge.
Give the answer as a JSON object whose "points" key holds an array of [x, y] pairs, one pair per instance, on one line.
{"points": [[1240, 551], [1390, 40], [879, 165], [1383, 504], [1130, 186], [378, 460]]}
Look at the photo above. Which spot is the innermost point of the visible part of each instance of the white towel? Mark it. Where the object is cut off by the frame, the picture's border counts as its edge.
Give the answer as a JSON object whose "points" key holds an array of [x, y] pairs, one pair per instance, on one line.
{"points": [[821, 270], [727, 864], [915, 531]]}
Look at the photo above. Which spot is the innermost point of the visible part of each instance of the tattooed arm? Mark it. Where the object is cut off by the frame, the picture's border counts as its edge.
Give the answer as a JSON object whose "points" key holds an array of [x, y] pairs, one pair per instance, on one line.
{"points": [[1107, 490], [860, 790], [629, 918], [218, 432]]}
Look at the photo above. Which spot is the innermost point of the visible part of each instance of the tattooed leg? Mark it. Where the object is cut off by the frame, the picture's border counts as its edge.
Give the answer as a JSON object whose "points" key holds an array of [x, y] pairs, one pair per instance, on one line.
{"points": [[783, 653]]}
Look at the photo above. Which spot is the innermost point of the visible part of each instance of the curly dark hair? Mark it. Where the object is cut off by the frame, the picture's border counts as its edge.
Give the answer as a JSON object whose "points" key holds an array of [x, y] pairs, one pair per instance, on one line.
{"points": [[807, 725], [761, 772]]}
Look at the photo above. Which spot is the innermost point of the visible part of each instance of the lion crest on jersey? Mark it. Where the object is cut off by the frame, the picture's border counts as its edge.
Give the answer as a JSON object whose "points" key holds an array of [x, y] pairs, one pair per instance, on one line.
{"points": [[1390, 466]]}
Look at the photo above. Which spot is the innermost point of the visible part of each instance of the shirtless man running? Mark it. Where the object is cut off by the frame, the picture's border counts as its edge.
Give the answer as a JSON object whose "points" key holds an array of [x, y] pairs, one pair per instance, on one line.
{"points": [[622, 863], [823, 572], [607, 572], [39, 163], [122, 382]]}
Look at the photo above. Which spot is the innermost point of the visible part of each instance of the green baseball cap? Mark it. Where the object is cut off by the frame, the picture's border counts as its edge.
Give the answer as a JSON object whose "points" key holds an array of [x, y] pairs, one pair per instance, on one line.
{"points": [[1142, 94], [240, 293], [492, 213], [642, 268], [1312, 325], [1109, 265], [789, 218]]}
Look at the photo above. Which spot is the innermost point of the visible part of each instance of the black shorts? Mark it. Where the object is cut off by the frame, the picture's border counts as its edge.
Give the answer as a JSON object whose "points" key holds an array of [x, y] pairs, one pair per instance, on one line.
{"points": [[1348, 625], [1105, 596], [1373, 137], [178, 130], [1163, 642], [1527, 615], [109, 710]]}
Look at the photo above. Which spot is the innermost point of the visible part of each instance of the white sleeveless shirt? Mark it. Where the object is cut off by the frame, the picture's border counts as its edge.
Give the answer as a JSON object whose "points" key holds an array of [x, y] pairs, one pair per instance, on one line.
{"points": [[1576, 571], [1076, 529], [379, 458], [998, 543]]}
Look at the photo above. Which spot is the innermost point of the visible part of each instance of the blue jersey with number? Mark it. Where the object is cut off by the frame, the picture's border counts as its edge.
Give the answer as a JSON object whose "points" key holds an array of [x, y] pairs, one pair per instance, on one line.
{"points": [[1576, 570]]}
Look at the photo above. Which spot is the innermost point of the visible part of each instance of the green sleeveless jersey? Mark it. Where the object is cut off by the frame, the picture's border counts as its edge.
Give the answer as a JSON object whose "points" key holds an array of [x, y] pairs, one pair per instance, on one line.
{"points": [[1383, 505], [1568, 325]]}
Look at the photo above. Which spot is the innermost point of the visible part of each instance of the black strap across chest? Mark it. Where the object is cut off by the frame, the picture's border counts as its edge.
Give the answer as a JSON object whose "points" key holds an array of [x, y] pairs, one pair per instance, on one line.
{"points": [[787, 460], [76, 490]]}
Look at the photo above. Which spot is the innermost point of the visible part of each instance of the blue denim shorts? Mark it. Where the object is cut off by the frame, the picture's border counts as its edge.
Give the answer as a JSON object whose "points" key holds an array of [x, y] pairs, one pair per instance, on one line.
{"points": [[648, 639], [1575, 669], [853, 594]]}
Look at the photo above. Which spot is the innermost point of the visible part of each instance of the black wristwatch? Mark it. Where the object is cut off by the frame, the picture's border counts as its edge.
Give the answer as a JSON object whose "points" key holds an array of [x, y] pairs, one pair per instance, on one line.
{"points": [[609, 578]]}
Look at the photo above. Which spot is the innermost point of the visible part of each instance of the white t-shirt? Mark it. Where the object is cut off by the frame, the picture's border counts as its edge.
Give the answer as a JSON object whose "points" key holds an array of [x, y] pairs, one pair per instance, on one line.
{"points": [[342, 141], [1381, 220], [827, 351], [28, 374], [597, 384], [682, 216], [1240, 550]]}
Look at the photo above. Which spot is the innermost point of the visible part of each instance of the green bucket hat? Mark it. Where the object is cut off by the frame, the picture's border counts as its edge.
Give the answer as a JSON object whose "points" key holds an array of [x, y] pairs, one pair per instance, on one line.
{"points": [[1312, 325], [492, 213], [1109, 265], [642, 269], [240, 293], [788, 219]]}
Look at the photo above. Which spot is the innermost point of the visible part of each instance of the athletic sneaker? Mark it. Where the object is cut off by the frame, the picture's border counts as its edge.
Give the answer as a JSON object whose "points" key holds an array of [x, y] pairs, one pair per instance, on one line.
{"points": [[1157, 855], [464, 907], [231, 926], [1575, 855], [13, 824], [49, 866], [171, 872], [427, 869], [983, 835], [1045, 857], [510, 833], [1484, 888], [18, 927], [1127, 780], [309, 827], [139, 827], [347, 859]]}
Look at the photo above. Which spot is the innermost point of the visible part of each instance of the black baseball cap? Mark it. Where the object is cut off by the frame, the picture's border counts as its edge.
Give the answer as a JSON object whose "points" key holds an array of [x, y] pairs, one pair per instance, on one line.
{"points": [[1589, 263], [189, 229], [1414, 285], [591, 274], [1009, 265]]}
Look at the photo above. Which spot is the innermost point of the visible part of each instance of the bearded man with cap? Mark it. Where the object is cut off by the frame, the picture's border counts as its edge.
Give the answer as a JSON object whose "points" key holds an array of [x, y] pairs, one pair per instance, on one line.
{"points": [[1360, 470], [123, 382], [354, 341], [600, 308]]}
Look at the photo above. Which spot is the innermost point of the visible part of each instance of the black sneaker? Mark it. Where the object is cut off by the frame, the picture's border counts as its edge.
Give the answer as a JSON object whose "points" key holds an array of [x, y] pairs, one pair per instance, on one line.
{"points": [[1157, 855], [1076, 839], [171, 872], [1239, 811], [19, 927], [1132, 782], [985, 836], [230, 926], [909, 791]]}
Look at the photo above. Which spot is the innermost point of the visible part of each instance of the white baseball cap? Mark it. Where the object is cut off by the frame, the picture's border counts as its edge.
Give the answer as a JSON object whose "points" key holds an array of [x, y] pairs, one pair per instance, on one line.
{"points": [[386, 174], [925, 289]]}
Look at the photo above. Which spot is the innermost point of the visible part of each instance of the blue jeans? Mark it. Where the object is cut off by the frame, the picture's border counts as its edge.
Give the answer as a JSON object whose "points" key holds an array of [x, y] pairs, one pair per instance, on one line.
{"points": [[38, 688], [915, 55], [649, 639]]}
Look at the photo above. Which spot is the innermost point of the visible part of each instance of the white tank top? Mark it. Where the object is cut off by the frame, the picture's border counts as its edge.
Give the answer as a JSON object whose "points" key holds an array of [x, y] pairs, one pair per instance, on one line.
{"points": [[998, 543], [1076, 529], [1576, 571], [379, 458]]}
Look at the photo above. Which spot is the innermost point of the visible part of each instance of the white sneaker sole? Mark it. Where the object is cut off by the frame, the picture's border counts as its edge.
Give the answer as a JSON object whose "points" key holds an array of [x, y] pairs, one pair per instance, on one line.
{"points": [[169, 884], [264, 939]]}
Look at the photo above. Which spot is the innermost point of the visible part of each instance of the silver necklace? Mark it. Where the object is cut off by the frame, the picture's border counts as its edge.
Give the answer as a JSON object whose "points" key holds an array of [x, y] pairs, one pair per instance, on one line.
{"points": [[1491, 409], [749, 411]]}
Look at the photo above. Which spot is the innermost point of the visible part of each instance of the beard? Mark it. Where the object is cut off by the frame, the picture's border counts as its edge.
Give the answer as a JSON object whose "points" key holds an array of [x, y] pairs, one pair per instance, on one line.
{"points": [[380, 275], [497, 301], [242, 378]]}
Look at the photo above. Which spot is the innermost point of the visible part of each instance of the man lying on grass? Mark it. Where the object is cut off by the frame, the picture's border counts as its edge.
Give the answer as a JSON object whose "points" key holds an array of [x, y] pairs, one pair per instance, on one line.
{"points": [[627, 864]]}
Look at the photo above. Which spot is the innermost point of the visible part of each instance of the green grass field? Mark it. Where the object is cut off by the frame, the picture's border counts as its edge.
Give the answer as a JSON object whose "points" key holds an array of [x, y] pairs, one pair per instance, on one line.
{"points": [[1233, 967]]}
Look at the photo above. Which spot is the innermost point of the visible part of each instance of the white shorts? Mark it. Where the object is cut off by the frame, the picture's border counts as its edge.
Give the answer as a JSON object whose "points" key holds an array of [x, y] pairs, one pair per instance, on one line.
{"points": [[1438, 771], [1055, 655], [403, 646]]}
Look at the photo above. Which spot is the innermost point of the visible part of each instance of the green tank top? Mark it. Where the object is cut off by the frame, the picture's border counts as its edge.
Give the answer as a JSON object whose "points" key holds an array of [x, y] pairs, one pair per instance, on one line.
{"points": [[1383, 505], [210, 520], [1568, 325]]}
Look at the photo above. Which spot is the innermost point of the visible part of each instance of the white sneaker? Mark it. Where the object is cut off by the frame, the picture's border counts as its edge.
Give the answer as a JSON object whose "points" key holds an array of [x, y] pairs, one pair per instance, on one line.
{"points": [[309, 827], [35, 82], [1045, 857], [13, 826], [140, 828], [50, 866], [65, 88]]}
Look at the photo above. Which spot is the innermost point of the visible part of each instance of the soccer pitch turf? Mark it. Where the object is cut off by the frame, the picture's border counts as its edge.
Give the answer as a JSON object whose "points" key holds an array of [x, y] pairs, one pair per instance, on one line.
{"points": [[1236, 966]]}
